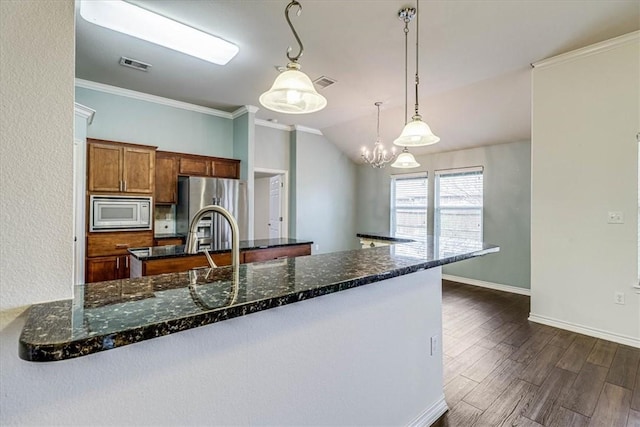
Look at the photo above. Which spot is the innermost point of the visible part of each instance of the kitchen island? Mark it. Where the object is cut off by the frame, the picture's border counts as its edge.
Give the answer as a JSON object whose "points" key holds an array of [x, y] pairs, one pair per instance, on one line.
{"points": [[173, 258], [296, 341]]}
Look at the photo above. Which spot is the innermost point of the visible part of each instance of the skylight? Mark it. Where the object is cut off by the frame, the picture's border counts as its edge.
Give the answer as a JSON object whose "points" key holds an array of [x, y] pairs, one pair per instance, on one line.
{"points": [[140, 23]]}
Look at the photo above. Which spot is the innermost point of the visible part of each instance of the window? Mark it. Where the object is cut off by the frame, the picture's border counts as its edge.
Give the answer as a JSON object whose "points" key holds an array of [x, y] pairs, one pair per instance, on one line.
{"points": [[458, 209], [409, 206]]}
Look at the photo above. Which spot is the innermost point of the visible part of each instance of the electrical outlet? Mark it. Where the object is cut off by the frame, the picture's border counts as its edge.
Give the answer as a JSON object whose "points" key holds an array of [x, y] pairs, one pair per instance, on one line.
{"points": [[434, 345], [618, 297], [615, 218], [317, 247]]}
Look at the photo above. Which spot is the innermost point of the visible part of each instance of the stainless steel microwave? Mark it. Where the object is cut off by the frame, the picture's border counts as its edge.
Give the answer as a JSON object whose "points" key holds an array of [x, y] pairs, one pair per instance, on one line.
{"points": [[121, 213]]}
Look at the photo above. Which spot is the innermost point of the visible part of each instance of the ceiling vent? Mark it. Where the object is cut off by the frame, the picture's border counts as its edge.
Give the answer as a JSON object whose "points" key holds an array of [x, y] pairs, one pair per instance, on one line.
{"points": [[323, 82], [134, 63]]}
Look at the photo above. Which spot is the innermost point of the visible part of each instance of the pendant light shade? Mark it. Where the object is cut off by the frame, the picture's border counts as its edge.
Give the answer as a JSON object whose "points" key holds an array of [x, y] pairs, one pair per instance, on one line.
{"points": [[293, 93], [405, 160], [416, 133]]}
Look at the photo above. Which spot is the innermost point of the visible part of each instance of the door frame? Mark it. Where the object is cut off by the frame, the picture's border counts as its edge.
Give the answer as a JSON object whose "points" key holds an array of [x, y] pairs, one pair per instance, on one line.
{"points": [[284, 199]]}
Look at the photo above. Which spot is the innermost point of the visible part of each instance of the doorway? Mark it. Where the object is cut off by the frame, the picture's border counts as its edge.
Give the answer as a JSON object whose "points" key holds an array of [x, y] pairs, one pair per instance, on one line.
{"points": [[271, 195]]}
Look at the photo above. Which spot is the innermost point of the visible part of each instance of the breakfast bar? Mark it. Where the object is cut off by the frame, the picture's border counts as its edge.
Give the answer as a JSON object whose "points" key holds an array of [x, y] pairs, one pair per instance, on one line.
{"points": [[282, 328]]}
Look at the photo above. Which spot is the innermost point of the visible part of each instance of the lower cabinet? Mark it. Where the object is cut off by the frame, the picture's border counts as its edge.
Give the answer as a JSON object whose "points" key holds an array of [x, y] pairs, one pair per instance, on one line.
{"points": [[184, 263], [108, 254], [107, 268], [280, 252]]}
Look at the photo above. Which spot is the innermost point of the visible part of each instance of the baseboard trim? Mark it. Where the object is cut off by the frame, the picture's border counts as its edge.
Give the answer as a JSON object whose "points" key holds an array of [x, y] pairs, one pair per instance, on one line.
{"points": [[431, 414], [585, 330], [490, 285]]}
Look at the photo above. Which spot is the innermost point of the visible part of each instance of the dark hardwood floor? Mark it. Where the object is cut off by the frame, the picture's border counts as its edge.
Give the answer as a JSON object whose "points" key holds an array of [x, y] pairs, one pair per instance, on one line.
{"points": [[502, 370]]}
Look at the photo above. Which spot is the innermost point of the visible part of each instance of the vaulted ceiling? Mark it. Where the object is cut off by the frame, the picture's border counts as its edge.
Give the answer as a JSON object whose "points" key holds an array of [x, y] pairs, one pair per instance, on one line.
{"points": [[475, 58]]}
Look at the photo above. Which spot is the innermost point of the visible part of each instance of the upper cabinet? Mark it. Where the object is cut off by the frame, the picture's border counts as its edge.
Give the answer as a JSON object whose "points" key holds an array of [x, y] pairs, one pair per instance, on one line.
{"points": [[193, 165], [166, 178], [120, 168]]}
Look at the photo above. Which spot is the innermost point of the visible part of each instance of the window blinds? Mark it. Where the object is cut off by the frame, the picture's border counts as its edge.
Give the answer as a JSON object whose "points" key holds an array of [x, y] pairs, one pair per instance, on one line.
{"points": [[409, 206], [458, 208]]}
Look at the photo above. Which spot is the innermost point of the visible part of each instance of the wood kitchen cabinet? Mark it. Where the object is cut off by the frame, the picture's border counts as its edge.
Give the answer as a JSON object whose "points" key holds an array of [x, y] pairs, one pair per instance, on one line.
{"points": [[107, 268], [120, 168], [193, 165], [108, 254], [166, 191], [255, 255], [172, 265]]}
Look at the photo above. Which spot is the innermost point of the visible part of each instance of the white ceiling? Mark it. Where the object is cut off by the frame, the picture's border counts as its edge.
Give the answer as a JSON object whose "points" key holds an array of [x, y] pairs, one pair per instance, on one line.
{"points": [[474, 60]]}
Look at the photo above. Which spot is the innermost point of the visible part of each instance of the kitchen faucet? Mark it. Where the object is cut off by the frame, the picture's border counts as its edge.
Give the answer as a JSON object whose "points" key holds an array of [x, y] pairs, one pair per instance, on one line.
{"points": [[191, 246]]}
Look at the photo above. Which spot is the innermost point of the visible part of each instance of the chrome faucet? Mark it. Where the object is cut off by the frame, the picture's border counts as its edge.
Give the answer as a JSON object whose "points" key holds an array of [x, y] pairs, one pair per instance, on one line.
{"points": [[191, 246]]}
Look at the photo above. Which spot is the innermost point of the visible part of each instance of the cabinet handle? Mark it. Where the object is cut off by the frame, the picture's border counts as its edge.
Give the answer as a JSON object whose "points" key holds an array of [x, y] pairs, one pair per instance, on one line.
{"points": [[120, 185], [125, 185], [118, 263], [122, 245], [126, 262]]}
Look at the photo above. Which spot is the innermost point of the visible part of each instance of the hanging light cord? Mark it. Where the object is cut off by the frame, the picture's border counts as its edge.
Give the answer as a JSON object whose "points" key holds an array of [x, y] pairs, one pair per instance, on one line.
{"points": [[417, 39], [406, 66], [378, 127]]}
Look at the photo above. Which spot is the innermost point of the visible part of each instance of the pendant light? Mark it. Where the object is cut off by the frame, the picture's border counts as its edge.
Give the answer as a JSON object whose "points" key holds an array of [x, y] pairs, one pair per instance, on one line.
{"points": [[379, 157], [406, 160], [416, 133], [293, 92]]}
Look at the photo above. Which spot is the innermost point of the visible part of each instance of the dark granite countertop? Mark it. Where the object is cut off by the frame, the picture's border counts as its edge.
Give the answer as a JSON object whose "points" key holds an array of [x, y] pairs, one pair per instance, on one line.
{"points": [[106, 315], [383, 236], [169, 236], [173, 251]]}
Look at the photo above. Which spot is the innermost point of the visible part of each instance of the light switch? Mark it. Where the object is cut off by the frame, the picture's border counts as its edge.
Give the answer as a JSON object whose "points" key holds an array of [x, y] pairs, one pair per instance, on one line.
{"points": [[615, 218]]}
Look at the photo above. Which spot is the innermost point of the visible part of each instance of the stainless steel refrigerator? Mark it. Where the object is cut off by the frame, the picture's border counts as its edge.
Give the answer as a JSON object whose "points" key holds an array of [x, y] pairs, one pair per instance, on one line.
{"points": [[196, 192]]}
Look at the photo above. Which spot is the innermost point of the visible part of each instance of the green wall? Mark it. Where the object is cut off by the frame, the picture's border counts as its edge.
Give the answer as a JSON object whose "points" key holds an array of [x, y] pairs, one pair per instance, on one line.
{"points": [[507, 207], [120, 118], [323, 202]]}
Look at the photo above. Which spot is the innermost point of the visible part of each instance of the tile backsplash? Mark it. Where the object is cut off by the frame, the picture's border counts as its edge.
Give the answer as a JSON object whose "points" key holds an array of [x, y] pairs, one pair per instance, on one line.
{"points": [[165, 219]]}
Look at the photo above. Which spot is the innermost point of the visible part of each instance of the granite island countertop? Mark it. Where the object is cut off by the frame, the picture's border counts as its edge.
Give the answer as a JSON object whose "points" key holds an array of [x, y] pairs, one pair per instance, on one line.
{"points": [[107, 315], [175, 251]]}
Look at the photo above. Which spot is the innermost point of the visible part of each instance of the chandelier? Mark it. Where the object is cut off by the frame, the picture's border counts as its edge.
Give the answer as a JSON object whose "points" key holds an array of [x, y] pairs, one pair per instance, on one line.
{"points": [[379, 157]]}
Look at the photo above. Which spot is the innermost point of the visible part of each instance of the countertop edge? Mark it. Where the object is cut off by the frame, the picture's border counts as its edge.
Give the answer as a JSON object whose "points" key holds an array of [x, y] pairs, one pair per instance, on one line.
{"points": [[89, 345]]}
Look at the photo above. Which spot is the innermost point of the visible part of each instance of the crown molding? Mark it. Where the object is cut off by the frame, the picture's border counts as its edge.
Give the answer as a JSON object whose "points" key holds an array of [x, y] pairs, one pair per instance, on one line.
{"points": [[588, 50], [84, 112], [244, 110], [268, 124], [307, 130], [114, 90]]}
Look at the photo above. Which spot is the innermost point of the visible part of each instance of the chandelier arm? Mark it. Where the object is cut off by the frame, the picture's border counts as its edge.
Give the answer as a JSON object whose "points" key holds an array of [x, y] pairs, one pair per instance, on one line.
{"points": [[295, 34]]}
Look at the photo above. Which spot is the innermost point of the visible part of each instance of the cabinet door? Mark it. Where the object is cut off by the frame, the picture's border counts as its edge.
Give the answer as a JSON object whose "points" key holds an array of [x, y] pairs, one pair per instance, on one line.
{"points": [[166, 179], [138, 170], [103, 268], [104, 168], [124, 267], [225, 169], [194, 166]]}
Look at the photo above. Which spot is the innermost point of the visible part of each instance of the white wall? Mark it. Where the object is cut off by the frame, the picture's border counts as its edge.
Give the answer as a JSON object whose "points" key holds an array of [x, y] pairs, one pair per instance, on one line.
{"points": [[358, 357], [506, 213], [586, 115], [36, 153]]}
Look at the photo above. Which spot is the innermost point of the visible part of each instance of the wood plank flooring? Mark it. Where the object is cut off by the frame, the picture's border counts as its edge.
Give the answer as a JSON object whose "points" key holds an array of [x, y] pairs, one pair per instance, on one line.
{"points": [[502, 370]]}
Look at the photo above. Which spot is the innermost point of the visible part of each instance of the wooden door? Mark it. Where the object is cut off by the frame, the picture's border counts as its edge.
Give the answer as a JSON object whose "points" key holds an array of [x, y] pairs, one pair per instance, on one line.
{"points": [[102, 268], [138, 170], [166, 179], [105, 168], [197, 166]]}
